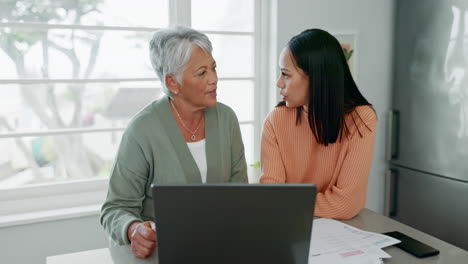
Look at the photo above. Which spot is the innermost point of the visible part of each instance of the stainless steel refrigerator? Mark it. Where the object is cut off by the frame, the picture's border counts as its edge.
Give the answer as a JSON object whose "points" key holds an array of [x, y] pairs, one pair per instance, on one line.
{"points": [[427, 184]]}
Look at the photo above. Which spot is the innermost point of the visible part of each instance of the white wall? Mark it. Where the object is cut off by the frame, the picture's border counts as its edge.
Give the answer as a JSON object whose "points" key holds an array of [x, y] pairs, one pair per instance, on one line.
{"points": [[373, 21], [32, 243]]}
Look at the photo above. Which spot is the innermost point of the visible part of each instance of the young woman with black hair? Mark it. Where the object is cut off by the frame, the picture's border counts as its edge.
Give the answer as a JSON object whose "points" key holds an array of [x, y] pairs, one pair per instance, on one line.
{"points": [[323, 131]]}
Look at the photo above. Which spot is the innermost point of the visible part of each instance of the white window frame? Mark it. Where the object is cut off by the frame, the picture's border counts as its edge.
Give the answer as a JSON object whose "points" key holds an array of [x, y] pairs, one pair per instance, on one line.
{"points": [[27, 202]]}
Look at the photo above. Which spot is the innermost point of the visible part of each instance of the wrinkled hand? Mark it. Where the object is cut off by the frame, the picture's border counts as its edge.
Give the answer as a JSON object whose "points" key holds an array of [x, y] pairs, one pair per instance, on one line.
{"points": [[143, 238]]}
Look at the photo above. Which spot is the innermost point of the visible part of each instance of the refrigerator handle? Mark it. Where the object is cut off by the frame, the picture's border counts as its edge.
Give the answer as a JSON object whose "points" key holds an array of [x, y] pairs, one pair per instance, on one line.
{"points": [[391, 179], [393, 135]]}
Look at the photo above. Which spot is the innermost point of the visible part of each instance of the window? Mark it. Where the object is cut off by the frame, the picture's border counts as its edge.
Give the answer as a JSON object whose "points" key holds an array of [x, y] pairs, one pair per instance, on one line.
{"points": [[75, 72]]}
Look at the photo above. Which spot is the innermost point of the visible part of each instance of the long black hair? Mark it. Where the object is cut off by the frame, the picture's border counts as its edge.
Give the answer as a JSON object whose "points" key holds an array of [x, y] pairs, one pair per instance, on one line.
{"points": [[332, 90]]}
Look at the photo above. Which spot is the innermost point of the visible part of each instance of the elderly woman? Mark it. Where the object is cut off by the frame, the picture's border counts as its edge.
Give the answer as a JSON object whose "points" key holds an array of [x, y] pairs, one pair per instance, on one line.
{"points": [[185, 137]]}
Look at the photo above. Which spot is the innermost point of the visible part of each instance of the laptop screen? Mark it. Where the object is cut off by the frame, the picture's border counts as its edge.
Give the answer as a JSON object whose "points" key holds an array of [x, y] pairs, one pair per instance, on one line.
{"points": [[234, 223]]}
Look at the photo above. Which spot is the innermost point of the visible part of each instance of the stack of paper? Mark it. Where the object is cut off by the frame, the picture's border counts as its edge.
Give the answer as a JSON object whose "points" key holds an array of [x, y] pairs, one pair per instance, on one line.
{"points": [[336, 242]]}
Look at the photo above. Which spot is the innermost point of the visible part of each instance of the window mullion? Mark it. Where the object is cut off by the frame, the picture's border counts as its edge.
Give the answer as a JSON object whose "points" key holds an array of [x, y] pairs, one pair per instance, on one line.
{"points": [[180, 12], [51, 26], [60, 132], [261, 58]]}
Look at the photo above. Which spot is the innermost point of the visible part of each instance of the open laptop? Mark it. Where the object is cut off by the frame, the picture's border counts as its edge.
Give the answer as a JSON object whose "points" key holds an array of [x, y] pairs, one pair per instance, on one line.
{"points": [[234, 223]]}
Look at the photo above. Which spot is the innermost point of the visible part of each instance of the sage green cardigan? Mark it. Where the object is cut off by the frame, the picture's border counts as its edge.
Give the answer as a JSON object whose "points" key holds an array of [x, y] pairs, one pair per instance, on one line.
{"points": [[153, 150]]}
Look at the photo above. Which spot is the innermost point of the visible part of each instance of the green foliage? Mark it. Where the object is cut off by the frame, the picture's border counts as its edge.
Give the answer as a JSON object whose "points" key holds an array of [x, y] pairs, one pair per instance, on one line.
{"points": [[46, 11], [40, 11], [255, 165], [348, 53], [105, 170], [43, 150]]}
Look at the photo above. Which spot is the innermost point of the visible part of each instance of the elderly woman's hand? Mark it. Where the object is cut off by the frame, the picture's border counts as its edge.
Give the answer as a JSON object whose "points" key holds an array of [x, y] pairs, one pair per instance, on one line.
{"points": [[143, 238]]}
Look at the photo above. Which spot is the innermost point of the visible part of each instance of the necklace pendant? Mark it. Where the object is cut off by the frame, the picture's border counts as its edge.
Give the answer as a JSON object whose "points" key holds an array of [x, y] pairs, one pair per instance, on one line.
{"points": [[193, 137]]}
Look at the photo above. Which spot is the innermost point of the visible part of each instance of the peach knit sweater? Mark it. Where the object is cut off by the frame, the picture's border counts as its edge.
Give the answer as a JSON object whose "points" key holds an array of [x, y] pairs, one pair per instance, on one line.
{"points": [[291, 154]]}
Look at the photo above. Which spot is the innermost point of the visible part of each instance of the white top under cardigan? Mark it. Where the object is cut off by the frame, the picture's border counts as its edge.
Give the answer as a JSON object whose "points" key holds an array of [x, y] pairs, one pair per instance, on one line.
{"points": [[198, 151]]}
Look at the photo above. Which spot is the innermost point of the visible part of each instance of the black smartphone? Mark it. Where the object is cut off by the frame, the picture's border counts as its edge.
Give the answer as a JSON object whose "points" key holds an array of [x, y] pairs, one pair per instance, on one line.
{"points": [[413, 246]]}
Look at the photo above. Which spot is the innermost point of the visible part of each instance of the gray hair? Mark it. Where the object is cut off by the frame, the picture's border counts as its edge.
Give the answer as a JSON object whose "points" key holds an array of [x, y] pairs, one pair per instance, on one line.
{"points": [[170, 50]]}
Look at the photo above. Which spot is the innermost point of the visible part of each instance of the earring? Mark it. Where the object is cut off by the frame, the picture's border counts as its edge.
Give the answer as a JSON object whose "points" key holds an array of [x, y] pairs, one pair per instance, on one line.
{"points": [[175, 92]]}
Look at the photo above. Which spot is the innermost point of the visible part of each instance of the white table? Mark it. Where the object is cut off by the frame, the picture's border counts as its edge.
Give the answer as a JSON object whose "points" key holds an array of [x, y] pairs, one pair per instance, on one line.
{"points": [[366, 220]]}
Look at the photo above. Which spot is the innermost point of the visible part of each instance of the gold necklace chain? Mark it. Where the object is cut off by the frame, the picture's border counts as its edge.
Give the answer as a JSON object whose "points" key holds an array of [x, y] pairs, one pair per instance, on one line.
{"points": [[183, 123]]}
